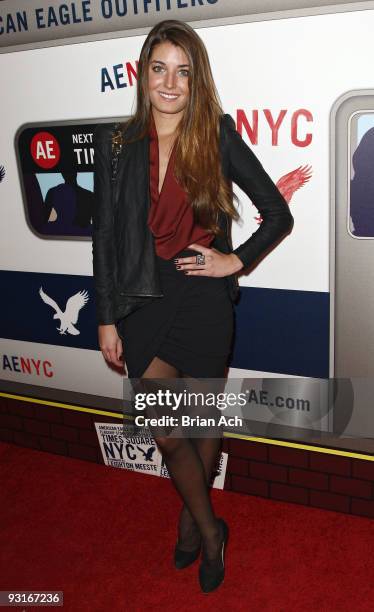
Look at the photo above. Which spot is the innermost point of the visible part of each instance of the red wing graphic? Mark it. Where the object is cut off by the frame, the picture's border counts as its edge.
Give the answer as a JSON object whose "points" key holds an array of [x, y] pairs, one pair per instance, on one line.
{"points": [[291, 182]]}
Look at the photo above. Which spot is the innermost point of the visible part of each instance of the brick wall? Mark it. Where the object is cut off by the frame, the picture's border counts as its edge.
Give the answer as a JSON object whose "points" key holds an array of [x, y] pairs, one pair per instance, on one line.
{"points": [[52, 429], [322, 480], [312, 478]]}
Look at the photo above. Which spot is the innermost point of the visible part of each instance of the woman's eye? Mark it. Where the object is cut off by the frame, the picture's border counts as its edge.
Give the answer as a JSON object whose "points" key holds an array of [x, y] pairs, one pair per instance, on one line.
{"points": [[183, 71]]}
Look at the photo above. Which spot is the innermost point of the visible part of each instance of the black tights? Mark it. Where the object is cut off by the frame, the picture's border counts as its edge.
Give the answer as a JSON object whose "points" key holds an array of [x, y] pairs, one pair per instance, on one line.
{"points": [[190, 463]]}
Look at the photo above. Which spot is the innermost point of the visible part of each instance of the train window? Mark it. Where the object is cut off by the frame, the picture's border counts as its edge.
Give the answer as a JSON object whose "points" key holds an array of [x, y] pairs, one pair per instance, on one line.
{"points": [[56, 173], [56, 169], [361, 175]]}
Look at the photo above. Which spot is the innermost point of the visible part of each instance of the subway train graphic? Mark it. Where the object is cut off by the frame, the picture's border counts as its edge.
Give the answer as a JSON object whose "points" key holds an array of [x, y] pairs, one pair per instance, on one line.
{"points": [[306, 109]]}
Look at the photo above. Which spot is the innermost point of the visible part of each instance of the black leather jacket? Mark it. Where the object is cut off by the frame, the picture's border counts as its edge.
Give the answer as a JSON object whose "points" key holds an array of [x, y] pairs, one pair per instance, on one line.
{"points": [[124, 257]]}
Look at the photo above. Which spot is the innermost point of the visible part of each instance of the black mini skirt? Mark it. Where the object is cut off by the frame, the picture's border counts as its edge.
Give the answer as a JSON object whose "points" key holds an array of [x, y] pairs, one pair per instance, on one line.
{"points": [[190, 327]]}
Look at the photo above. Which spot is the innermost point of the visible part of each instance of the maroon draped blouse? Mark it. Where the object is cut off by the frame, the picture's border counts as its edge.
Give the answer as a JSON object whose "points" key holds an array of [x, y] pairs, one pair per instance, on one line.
{"points": [[170, 216]]}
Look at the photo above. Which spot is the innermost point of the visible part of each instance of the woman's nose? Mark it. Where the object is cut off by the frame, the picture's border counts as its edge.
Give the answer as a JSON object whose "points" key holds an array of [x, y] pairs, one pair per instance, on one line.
{"points": [[170, 79]]}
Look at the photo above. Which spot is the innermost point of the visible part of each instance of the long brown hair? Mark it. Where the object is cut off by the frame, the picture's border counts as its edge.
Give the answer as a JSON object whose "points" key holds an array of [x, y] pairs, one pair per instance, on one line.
{"points": [[197, 165]]}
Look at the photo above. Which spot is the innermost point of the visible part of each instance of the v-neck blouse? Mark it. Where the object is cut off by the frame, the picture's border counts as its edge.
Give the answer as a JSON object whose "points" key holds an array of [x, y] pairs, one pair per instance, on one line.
{"points": [[170, 216]]}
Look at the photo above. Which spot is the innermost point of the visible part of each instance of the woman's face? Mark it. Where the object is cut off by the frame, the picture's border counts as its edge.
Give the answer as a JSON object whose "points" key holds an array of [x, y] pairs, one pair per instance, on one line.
{"points": [[168, 78]]}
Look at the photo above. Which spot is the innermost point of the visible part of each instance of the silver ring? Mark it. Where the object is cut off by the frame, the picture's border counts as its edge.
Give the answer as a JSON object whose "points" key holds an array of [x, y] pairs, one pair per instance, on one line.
{"points": [[200, 259]]}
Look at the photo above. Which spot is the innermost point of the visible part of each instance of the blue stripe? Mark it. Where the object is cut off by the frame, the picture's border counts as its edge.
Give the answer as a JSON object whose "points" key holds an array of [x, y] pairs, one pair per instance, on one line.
{"points": [[276, 330], [283, 331]]}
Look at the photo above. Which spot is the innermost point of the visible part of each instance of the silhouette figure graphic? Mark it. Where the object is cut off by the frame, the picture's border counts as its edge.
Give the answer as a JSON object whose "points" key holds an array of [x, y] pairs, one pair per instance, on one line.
{"points": [[37, 211], [362, 187], [70, 206]]}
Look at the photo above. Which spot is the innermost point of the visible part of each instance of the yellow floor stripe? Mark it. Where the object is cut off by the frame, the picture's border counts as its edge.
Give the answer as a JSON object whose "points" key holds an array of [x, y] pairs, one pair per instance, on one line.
{"points": [[117, 415], [60, 405], [301, 446]]}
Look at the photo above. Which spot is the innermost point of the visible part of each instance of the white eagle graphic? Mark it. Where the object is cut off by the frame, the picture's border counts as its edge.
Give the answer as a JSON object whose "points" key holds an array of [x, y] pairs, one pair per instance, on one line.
{"points": [[70, 316]]}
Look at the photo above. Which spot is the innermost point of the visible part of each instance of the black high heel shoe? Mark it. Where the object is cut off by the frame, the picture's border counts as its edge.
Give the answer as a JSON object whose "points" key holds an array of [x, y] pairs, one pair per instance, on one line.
{"points": [[212, 573], [184, 558]]}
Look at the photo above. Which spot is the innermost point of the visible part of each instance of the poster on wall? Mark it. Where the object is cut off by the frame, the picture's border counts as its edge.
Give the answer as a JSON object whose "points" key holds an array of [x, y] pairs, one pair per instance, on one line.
{"points": [[138, 452]]}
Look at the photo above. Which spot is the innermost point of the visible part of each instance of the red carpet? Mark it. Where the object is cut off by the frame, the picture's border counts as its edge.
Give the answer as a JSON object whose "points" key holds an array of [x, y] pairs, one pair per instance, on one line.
{"points": [[105, 537]]}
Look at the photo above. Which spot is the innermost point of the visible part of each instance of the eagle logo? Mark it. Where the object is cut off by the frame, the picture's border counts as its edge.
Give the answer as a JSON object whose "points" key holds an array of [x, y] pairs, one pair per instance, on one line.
{"points": [[69, 317], [291, 182], [148, 453]]}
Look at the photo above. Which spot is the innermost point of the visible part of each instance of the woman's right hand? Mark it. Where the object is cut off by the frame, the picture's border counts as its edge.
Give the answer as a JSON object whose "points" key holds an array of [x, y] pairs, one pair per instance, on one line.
{"points": [[111, 344]]}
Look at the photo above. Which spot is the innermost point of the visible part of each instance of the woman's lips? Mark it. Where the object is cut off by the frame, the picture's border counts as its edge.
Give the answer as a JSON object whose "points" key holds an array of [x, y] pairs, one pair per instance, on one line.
{"points": [[169, 97]]}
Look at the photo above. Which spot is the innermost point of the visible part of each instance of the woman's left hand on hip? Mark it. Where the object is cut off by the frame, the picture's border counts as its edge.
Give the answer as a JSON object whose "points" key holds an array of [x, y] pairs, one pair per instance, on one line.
{"points": [[215, 264]]}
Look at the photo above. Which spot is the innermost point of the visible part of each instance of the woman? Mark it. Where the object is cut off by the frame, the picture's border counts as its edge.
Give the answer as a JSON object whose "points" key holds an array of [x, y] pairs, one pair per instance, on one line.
{"points": [[164, 268]]}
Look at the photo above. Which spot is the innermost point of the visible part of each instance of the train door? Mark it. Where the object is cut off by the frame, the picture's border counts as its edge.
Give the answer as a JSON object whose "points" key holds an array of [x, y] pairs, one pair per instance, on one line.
{"points": [[352, 257]]}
